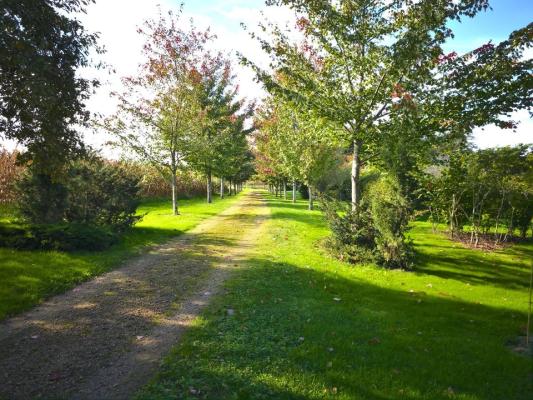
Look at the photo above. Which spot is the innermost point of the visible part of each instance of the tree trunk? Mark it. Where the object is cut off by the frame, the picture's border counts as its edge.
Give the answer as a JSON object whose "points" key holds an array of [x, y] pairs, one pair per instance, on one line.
{"points": [[294, 191], [356, 168], [221, 188], [311, 206], [284, 189], [173, 185], [209, 188]]}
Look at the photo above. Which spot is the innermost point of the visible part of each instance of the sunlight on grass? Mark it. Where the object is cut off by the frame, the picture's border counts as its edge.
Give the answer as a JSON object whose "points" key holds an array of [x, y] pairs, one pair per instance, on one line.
{"points": [[27, 277], [306, 326]]}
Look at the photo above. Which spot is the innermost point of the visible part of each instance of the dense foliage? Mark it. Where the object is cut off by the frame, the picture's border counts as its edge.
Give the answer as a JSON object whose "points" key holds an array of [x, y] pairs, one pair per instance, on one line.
{"points": [[375, 232], [485, 193], [94, 193], [94, 202], [41, 96]]}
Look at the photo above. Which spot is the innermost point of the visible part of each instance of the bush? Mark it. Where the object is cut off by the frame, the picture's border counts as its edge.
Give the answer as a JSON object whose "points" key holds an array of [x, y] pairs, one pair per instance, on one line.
{"points": [[93, 202], [390, 214], [40, 199], [375, 232], [93, 192], [353, 235], [102, 193], [66, 237]]}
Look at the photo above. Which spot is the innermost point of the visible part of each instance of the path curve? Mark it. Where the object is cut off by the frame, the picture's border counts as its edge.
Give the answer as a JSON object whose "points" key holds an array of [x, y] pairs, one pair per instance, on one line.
{"points": [[105, 338]]}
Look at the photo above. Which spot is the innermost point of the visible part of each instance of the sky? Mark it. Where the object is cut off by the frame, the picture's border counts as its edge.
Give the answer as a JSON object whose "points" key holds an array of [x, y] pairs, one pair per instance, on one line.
{"points": [[117, 21]]}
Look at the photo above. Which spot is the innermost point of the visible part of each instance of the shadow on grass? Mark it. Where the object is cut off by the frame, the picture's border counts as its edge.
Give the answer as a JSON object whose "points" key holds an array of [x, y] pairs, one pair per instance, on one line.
{"points": [[90, 328], [437, 255], [290, 339]]}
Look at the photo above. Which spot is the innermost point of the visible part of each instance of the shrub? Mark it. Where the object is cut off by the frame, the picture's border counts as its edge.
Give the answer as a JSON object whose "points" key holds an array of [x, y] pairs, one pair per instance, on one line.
{"points": [[352, 233], [390, 213], [102, 193], [40, 199], [93, 202], [93, 192], [376, 231]]}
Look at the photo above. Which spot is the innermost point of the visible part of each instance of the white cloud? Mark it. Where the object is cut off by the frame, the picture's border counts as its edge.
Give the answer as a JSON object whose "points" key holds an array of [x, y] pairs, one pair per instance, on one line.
{"points": [[492, 136]]}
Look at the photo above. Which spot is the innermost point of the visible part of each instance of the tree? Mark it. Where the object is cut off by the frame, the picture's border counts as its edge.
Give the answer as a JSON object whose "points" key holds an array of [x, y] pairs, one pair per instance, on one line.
{"points": [[41, 97], [489, 191], [296, 145], [287, 142], [234, 161], [361, 62], [220, 107], [160, 112]]}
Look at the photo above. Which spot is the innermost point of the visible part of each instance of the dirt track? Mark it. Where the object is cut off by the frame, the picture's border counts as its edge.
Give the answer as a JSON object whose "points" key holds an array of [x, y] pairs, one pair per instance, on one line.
{"points": [[105, 338]]}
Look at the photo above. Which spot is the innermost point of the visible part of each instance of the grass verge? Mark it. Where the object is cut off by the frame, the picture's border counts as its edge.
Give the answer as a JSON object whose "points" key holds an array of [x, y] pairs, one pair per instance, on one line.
{"points": [[28, 277], [305, 326]]}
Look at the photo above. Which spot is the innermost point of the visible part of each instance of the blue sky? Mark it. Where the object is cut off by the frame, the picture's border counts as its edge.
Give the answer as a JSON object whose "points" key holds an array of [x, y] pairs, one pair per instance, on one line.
{"points": [[505, 17], [495, 24]]}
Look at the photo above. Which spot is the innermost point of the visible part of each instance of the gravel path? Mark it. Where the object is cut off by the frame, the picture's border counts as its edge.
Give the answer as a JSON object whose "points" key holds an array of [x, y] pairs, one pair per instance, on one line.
{"points": [[105, 338]]}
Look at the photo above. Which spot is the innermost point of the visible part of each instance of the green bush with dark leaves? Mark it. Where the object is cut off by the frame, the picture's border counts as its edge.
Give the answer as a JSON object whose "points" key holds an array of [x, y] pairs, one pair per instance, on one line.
{"points": [[376, 231], [84, 209]]}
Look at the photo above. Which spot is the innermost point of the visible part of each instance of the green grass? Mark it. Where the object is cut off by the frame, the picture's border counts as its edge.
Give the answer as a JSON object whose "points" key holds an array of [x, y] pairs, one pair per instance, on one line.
{"points": [[28, 277], [310, 327]]}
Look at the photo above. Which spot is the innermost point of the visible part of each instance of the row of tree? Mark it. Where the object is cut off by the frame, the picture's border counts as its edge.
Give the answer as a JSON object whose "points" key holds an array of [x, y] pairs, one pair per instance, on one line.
{"points": [[370, 82], [182, 110]]}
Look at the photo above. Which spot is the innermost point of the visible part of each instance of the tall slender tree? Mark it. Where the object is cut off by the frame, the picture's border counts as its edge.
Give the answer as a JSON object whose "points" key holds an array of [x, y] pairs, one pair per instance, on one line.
{"points": [[160, 110], [220, 107]]}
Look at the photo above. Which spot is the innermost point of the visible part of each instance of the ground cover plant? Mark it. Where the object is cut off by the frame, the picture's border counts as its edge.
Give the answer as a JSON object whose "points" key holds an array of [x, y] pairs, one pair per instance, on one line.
{"points": [[305, 326], [29, 276]]}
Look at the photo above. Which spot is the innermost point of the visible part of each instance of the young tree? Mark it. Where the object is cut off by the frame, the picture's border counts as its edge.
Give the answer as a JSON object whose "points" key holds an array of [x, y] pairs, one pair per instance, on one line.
{"points": [[160, 111], [219, 105], [296, 144], [41, 95], [362, 61]]}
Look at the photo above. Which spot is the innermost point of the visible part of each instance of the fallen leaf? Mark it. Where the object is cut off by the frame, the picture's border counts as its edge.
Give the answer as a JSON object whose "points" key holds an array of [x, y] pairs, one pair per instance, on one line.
{"points": [[337, 298], [54, 376], [374, 340]]}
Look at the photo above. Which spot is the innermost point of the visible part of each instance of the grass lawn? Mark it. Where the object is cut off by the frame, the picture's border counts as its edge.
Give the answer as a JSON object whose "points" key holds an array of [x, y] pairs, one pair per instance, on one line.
{"points": [[306, 326], [27, 277]]}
